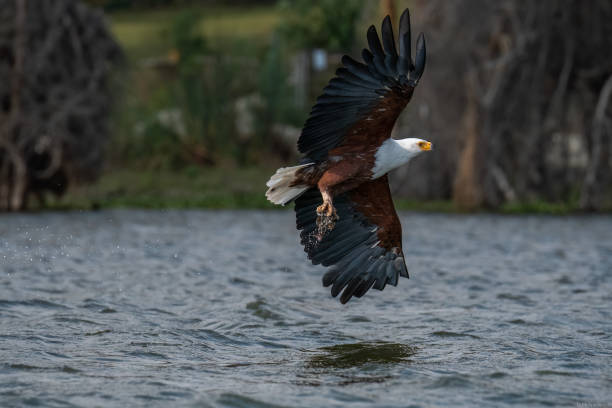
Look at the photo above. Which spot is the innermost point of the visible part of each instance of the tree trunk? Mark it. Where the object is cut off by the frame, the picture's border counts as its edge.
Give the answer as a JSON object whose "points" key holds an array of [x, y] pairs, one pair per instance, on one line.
{"points": [[467, 186], [388, 9]]}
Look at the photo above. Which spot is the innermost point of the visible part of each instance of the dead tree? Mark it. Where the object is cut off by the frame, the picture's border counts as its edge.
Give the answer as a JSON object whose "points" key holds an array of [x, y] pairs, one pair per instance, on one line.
{"points": [[55, 61]]}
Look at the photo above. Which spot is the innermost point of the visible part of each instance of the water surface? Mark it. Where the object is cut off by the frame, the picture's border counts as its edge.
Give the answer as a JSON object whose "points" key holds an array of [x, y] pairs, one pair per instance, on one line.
{"points": [[222, 309]]}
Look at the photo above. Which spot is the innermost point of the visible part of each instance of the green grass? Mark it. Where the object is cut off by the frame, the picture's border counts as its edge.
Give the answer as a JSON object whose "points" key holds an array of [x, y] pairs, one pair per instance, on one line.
{"points": [[540, 207], [144, 33], [532, 207], [441, 206], [227, 188], [195, 187]]}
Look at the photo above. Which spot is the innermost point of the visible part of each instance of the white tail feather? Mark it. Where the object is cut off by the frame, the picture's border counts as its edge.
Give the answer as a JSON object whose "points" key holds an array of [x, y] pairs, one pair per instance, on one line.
{"points": [[280, 190]]}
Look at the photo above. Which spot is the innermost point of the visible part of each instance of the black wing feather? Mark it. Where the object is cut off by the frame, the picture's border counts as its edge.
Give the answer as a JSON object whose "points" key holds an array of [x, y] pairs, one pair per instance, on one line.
{"points": [[389, 46], [419, 63], [357, 263], [374, 43], [405, 59], [358, 88]]}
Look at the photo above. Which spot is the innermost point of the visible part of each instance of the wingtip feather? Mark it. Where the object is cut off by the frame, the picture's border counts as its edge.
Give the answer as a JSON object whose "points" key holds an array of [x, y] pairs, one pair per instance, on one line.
{"points": [[388, 38], [405, 43], [421, 55]]}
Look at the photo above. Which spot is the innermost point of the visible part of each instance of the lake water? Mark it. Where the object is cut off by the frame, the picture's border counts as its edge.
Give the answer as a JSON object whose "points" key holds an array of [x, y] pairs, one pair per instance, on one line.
{"points": [[222, 309]]}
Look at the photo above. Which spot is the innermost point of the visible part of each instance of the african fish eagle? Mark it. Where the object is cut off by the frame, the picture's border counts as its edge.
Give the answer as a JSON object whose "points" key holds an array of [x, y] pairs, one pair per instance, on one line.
{"points": [[343, 204]]}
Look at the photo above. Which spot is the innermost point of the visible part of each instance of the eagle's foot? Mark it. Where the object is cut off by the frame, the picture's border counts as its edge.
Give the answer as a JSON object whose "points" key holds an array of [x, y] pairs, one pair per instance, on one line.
{"points": [[327, 209], [326, 219]]}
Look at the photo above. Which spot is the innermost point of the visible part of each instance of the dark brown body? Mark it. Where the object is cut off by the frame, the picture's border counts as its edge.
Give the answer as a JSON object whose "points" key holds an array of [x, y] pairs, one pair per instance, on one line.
{"points": [[339, 173]]}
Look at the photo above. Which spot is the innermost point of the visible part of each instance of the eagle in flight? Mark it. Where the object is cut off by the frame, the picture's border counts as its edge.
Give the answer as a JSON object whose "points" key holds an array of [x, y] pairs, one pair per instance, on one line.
{"points": [[343, 204]]}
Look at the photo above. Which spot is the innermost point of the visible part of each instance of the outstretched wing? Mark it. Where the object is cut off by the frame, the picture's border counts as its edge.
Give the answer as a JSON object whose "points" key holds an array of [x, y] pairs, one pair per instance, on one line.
{"points": [[362, 102], [364, 248]]}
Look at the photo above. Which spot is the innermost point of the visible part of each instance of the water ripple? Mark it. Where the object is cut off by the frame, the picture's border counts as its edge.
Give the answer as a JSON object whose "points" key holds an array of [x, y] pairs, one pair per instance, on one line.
{"points": [[222, 309]]}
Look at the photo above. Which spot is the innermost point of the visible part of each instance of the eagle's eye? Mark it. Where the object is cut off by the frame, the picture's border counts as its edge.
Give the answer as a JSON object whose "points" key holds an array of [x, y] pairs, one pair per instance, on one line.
{"points": [[424, 146]]}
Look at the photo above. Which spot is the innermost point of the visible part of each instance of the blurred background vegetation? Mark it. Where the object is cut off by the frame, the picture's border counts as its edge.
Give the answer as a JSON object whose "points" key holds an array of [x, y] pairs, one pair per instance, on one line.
{"points": [[208, 99]]}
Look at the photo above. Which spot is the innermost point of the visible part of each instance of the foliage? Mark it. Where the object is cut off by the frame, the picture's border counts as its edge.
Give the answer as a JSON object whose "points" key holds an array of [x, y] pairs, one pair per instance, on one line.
{"points": [[187, 117], [187, 41], [277, 101], [328, 24], [272, 78], [187, 112]]}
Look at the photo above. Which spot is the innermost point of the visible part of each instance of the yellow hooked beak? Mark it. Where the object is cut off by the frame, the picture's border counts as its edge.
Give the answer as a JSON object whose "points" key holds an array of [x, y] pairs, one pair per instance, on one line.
{"points": [[425, 146]]}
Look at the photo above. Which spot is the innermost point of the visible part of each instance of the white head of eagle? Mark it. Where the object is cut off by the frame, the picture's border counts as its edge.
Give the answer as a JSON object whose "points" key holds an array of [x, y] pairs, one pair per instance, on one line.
{"points": [[395, 153]]}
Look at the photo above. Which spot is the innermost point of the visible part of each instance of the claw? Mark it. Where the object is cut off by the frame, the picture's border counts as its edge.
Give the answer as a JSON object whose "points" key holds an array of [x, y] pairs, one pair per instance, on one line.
{"points": [[326, 219], [322, 208]]}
